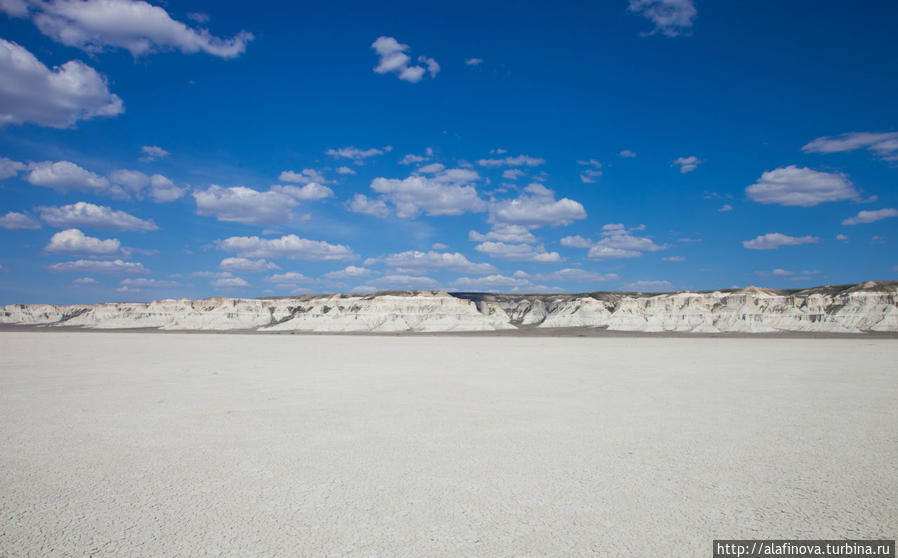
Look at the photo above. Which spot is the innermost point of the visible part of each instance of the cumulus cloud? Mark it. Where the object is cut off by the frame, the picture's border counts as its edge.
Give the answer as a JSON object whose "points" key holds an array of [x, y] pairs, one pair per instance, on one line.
{"points": [[360, 203], [884, 145], [537, 207], [356, 154], [512, 174], [73, 241], [83, 214], [345, 170], [871, 216], [289, 246], [800, 186], [85, 281], [58, 98], [627, 154], [305, 176], [393, 59], [686, 164], [724, 208], [18, 221], [9, 168], [349, 272], [100, 266], [142, 283], [251, 207], [592, 172], [504, 233], [474, 61], [772, 241], [576, 275], [448, 193], [576, 241], [136, 26], [519, 161], [152, 153], [289, 279], [671, 18], [649, 286], [412, 158], [230, 282], [65, 176], [164, 190], [246, 264], [518, 252], [413, 262], [617, 241]]}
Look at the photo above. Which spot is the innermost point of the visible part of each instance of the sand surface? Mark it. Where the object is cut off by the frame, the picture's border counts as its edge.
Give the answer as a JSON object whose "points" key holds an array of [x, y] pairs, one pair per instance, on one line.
{"points": [[252, 445]]}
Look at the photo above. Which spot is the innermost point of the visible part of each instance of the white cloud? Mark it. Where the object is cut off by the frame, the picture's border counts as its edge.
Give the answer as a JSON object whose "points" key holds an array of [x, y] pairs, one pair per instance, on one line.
{"points": [[305, 176], [289, 246], [414, 262], [145, 283], [100, 266], [230, 282], [361, 203], [356, 154], [432, 168], [438, 246], [518, 252], [85, 281], [618, 242], [252, 207], [871, 216], [152, 153], [83, 214], [137, 26], [58, 98], [164, 190], [18, 221], [800, 186], [345, 170], [672, 18], [724, 208], [686, 164], [519, 161], [772, 241], [73, 241], [504, 233], [885, 145], [577, 275], [674, 259], [246, 264], [474, 61], [649, 286], [537, 207], [448, 193], [393, 59], [842, 237], [133, 181], [512, 174], [289, 279], [310, 192], [627, 154], [9, 168], [349, 272], [411, 158], [576, 241], [64, 176], [590, 175]]}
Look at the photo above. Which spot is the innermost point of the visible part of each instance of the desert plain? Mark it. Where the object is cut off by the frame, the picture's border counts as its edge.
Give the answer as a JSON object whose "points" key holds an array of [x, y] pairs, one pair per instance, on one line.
{"points": [[148, 444]]}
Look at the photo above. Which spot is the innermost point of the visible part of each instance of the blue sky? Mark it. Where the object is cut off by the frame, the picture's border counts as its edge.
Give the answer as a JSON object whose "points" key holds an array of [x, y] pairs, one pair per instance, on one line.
{"points": [[193, 149]]}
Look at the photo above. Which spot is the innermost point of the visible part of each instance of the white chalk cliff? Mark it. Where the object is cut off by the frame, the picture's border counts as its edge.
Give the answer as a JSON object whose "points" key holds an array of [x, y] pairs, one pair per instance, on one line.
{"points": [[867, 307]]}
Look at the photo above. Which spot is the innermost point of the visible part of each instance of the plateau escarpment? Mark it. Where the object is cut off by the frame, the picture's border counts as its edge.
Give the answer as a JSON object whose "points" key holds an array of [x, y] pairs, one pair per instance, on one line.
{"points": [[867, 307]]}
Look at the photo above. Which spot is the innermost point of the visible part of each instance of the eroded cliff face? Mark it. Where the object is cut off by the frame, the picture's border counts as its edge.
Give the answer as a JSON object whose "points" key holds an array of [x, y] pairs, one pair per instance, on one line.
{"points": [[871, 306]]}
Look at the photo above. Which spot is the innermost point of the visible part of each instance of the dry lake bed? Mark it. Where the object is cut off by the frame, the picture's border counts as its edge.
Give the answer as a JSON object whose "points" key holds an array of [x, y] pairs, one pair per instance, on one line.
{"points": [[251, 445]]}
